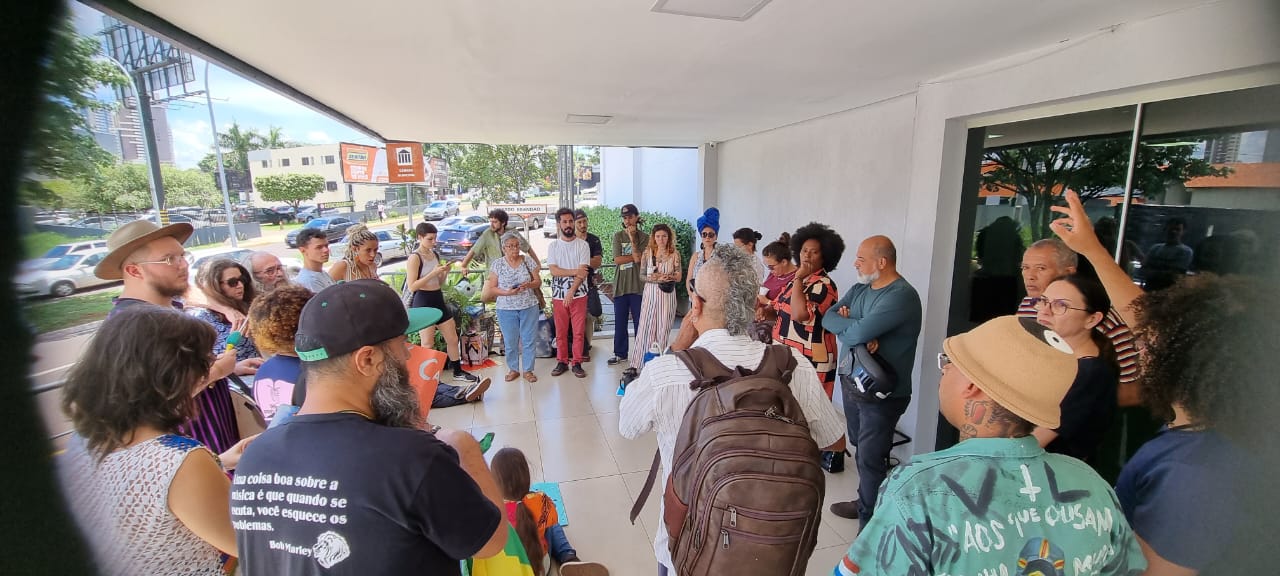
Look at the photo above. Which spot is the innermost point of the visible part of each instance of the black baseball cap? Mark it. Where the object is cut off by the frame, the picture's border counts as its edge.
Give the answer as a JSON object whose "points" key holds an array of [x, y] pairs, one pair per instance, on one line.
{"points": [[344, 317], [579, 214], [629, 209]]}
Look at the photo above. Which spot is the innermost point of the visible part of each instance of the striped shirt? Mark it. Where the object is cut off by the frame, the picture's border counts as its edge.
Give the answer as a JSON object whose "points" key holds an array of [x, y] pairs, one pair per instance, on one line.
{"points": [[658, 399], [1114, 328]]}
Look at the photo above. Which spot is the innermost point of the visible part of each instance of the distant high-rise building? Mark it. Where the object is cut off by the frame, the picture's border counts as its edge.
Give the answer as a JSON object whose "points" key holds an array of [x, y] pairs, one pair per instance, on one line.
{"points": [[133, 149], [102, 126], [1225, 148], [1271, 150]]}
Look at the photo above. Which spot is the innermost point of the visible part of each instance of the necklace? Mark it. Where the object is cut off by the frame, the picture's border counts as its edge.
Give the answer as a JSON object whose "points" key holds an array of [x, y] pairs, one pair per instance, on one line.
{"points": [[362, 414]]}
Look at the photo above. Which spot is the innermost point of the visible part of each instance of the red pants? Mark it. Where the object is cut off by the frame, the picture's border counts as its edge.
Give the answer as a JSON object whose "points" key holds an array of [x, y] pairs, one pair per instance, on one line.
{"points": [[570, 312]]}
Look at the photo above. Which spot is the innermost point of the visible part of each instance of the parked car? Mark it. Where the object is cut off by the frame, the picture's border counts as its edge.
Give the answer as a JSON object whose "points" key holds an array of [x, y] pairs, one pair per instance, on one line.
{"points": [[179, 218], [334, 229], [63, 276], [199, 258], [456, 220], [99, 222], [455, 241], [287, 212], [549, 229], [62, 250], [312, 212], [389, 247], [441, 209], [263, 215], [524, 222]]}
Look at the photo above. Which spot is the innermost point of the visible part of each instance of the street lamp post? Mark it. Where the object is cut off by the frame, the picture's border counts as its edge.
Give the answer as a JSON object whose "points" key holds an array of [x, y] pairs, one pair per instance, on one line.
{"points": [[222, 172]]}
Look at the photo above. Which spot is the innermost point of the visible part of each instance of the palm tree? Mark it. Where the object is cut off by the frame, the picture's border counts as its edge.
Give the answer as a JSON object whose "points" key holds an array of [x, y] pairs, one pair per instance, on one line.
{"points": [[274, 138], [240, 142]]}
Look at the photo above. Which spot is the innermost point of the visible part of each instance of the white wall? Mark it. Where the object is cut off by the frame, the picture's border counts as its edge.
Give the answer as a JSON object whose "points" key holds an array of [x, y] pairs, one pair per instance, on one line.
{"points": [[894, 167], [654, 179]]}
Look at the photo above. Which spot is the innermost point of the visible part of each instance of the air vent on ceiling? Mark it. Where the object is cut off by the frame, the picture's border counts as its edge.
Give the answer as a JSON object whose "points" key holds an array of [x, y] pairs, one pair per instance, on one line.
{"points": [[587, 119], [738, 10]]}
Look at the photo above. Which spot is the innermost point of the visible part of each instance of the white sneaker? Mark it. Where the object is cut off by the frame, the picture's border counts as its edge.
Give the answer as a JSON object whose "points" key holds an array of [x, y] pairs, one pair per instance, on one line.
{"points": [[474, 392]]}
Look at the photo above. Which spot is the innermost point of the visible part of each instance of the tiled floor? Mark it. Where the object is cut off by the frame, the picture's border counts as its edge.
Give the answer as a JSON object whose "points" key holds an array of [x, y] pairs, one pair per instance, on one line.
{"points": [[568, 429]]}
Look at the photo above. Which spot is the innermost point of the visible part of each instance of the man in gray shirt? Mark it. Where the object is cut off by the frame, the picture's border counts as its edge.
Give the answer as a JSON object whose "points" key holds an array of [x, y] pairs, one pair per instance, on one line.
{"points": [[314, 247], [882, 311]]}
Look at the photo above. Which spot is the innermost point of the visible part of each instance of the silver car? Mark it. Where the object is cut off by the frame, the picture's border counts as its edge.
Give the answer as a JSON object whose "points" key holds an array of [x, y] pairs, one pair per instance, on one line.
{"points": [[63, 276]]}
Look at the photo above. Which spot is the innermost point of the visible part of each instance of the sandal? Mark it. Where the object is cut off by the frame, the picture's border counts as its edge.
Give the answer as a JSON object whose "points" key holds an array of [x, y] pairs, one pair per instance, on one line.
{"points": [[512, 375], [530, 376]]}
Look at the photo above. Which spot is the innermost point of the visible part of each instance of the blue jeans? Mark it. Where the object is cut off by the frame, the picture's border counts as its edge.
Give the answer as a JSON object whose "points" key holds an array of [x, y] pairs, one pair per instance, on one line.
{"points": [[448, 395], [519, 328], [624, 306], [560, 550], [871, 426]]}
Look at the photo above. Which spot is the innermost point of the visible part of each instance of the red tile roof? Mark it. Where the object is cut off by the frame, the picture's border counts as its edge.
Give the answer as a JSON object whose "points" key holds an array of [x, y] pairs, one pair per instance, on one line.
{"points": [[1251, 175]]}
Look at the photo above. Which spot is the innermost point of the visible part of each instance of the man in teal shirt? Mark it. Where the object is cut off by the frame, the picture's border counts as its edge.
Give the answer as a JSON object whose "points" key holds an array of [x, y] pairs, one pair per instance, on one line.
{"points": [[997, 503], [488, 247], [882, 311]]}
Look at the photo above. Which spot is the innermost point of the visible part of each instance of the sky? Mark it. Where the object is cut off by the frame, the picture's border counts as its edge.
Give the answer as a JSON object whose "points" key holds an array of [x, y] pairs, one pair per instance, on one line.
{"points": [[235, 99]]}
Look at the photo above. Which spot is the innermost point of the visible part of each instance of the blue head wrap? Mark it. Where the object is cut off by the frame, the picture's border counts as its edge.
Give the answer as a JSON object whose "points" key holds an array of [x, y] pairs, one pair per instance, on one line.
{"points": [[709, 219]]}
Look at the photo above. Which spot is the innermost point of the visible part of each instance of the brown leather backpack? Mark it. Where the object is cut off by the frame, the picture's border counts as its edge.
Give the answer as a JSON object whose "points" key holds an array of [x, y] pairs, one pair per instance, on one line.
{"points": [[744, 496]]}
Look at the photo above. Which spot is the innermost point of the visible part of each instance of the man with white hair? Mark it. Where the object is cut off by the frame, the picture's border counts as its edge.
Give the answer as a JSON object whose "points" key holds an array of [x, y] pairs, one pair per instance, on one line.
{"points": [[723, 310], [267, 271]]}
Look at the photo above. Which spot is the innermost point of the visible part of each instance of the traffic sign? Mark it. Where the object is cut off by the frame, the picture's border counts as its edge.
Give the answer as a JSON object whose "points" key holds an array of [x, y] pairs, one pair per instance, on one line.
{"points": [[522, 208]]}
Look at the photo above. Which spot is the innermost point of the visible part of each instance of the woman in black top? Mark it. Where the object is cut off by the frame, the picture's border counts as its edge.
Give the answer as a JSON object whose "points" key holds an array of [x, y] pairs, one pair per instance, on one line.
{"points": [[1073, 307]]}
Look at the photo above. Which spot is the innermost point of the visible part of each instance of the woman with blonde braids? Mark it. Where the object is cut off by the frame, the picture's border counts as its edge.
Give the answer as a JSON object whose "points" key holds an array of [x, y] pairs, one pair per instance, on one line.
{"points": [[361, 259]]}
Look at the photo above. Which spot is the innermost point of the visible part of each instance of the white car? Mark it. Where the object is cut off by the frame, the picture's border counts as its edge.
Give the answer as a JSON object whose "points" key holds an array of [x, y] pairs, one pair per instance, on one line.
{"points": [[441, 209], [62, 250], [63, 276], [549, 229], [389, 247], [456, 220]]}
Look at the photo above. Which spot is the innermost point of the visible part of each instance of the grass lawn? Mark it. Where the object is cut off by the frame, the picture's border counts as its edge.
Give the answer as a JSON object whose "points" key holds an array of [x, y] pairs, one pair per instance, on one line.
{"points": [[58, 313]]}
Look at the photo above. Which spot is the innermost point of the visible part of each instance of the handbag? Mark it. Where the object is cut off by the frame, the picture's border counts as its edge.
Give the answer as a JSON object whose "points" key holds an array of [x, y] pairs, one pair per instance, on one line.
{"points": [[249, 419], [406, 295], [873, 377], [542, 300]]}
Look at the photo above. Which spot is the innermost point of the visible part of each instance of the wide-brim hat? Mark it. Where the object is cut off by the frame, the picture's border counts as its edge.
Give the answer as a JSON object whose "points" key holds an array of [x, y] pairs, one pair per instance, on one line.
{"points": [[1023, 366], [132, 236]]}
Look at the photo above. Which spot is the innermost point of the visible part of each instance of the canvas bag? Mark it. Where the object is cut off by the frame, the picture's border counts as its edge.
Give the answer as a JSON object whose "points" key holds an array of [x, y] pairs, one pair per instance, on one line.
{"points": [[744, 495]]}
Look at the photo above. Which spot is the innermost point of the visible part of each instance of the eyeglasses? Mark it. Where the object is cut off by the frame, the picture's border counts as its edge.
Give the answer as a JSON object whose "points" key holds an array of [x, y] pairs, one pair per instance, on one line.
{"points": [[1057, 307], [272, 271], [170, 260], [943, 361], [233, 282], [708, 234]]}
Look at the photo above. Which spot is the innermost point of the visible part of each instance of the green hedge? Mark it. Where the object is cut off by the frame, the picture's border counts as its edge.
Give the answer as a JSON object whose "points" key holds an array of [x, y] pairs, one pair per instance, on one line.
{"points": [[605, 222]]}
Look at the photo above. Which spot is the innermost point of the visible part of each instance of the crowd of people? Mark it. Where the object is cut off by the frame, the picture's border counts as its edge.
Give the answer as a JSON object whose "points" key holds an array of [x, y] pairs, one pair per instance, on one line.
{"points": [[351, 477]]}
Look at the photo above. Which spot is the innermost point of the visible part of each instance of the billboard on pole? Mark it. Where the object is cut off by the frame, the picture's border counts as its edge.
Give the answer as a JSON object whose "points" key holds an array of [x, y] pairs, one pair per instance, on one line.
{"points": [[405, 163], [362, 164]]}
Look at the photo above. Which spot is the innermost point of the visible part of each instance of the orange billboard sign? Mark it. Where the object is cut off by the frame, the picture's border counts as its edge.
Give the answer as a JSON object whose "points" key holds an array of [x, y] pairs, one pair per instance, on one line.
{"points": [[405, 163], [362, 164]]}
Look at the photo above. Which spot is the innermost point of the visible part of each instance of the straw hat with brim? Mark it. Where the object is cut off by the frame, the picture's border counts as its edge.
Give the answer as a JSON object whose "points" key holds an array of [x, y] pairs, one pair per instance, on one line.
{"points": [[133, 236], [1020, 364]]}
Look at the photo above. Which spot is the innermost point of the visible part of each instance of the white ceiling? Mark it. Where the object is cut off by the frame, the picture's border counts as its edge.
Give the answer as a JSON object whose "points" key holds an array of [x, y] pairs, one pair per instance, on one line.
{"points": [[509, 71]]}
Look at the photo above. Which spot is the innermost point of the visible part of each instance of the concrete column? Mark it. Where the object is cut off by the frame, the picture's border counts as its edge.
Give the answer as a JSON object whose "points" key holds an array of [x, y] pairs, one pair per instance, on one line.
{"points": [[709, 175]]}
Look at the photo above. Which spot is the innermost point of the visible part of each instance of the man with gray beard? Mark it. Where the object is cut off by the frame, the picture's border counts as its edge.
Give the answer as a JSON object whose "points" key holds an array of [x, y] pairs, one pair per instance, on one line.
{"points": [[352, 484]]}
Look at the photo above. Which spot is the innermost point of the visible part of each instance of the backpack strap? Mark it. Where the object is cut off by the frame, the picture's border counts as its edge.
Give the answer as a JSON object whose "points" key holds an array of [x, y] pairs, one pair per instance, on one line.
{"points": [[648, 487], [778, 362], [706, 369]]}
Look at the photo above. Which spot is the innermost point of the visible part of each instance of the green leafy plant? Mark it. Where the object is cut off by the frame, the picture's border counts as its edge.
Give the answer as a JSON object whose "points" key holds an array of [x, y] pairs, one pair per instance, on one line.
{"points": [[293, 189], [604, 221]]}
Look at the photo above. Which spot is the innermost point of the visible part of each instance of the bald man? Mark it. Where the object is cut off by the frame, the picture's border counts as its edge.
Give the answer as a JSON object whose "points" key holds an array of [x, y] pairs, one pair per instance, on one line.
{"points": [[882, 312]]}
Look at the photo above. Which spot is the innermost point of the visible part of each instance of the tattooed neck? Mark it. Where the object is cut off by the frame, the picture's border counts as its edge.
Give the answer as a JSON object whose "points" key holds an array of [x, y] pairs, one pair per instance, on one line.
{"points": [[987, 419]]}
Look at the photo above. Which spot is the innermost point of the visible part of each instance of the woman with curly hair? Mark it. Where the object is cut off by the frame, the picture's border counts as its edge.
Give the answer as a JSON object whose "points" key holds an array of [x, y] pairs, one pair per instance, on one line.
{"points": [[661, 268], [801, 304], [1206, 348], [746, 239], [361, 259], [780, 271], [274, 318], [148, 500]]}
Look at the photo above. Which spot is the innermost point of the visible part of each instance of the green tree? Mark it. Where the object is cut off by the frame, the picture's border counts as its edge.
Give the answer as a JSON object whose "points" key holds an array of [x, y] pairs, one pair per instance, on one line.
{"points": [[293, 189], [503, 169], [1040, 173], [274, 138], [61, 147], [189, 188], [238, 142], [120, 187], [209, 164]]}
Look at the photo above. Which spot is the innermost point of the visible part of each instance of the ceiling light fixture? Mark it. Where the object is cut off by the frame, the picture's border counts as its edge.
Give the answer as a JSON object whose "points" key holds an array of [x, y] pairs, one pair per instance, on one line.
{"points": [[736, 10], [588, 119], [994, 136]]}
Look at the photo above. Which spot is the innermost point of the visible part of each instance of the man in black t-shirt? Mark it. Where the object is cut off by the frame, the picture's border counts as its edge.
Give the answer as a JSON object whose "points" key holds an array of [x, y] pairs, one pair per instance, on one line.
{"points": [[351, 485], [593, 292]]}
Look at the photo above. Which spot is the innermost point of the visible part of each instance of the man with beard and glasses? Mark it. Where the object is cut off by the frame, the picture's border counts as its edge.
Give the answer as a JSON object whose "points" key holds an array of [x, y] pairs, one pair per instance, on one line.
{"points": [[267, 271], [352, 484], [152, 264], [882, 312]]}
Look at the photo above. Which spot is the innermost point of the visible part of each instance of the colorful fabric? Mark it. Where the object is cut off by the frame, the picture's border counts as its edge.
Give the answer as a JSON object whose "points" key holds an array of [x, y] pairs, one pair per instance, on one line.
{"points": [[809, 337], [512, 561], [995, 506], [543, 510]]}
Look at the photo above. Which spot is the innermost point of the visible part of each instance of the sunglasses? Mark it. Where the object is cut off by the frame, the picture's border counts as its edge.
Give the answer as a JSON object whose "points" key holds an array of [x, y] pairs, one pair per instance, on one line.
{"points": [[708, 234], [233, 282]]}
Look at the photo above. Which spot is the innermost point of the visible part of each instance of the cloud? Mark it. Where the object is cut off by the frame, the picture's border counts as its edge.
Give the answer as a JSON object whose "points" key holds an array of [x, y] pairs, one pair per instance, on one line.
{"points": [[319, 137], [192, 139]]}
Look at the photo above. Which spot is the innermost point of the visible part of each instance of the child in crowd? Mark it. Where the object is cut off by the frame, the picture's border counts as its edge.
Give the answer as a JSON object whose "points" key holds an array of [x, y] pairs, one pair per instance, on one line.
{"points": [[534, 516]]}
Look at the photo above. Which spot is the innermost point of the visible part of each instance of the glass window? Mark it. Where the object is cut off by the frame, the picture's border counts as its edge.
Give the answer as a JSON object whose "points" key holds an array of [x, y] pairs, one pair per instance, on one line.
{"points": [[306, 161], [284, 162], [331, 185], [328, 159]]}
